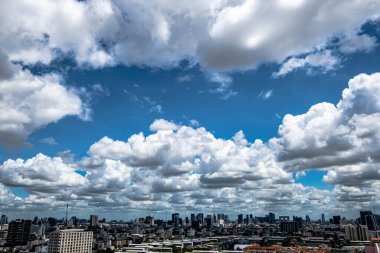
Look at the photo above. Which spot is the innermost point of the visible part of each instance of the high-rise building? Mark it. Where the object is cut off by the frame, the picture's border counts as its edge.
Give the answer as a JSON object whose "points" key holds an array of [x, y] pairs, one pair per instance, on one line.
{"points": [[323, 221], [371, 222], [363, 214], [192, 217], [336, 219], [369, 219], [35, 220], [175, 219], [18, 232], [208, 221], [271, 218], [240, 218], [308, 219], [200, 218], [363, 233], [3, 219], [351, 232], [70, 241], [94, 221], [290, 227]]}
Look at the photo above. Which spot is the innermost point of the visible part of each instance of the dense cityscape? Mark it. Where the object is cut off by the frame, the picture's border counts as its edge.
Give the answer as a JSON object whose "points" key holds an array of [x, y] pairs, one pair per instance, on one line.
{"points": [[197, 233]]}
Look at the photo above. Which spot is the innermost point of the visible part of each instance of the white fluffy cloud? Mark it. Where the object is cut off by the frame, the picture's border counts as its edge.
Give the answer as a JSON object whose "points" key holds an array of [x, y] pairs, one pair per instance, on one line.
{"points": [[176, 167], [179, 168], [220, 35], [188, 168], [29, 102], [342, 139], [41, 175], [333, 135], [249, 33]]}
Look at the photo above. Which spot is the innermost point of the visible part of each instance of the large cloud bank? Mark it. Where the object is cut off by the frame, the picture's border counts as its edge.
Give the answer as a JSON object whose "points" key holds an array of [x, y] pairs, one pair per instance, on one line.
{"points": [[218, 35], [221, 35], [182, 168]]}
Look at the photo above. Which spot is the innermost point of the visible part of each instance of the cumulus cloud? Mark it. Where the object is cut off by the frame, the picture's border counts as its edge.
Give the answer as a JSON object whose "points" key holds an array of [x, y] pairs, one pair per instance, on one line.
{"points": [[220, 35], [342, 139], [334, 135], [29, 102], [188, 168], [249, 33], [40, 174], [176, 167]]}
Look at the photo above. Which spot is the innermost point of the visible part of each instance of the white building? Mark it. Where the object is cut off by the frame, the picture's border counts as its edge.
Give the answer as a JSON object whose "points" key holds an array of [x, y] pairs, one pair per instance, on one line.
{"points": [[356, 233], [70, 241]]}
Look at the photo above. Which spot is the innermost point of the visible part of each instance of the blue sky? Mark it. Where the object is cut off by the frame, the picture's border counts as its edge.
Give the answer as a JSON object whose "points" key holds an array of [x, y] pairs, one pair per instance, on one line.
{"points": [[74, 104]]}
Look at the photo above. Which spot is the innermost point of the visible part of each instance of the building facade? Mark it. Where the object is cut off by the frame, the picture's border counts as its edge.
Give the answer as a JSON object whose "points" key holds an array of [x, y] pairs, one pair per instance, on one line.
{"points": [[18, 232], [70, 241]]}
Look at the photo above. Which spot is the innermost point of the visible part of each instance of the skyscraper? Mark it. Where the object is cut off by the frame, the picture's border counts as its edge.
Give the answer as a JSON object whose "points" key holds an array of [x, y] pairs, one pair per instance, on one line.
{"points": [[290, 227], [363, 233], [363, 215], [272, 218], [175, 219], [351, 232], [18, 232], [240, 218], [4, 219], [94, 221], [307, 219], [367, 218], [336, 219], [200, 218], [323, 218]]}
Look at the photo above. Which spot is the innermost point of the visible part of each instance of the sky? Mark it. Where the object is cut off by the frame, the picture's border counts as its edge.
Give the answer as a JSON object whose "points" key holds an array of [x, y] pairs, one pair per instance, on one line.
{"points": [[131, 108]]}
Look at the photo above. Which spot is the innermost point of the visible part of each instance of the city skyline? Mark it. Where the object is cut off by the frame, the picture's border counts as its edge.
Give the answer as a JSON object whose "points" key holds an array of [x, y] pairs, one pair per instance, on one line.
{"points": [[127, 108]]}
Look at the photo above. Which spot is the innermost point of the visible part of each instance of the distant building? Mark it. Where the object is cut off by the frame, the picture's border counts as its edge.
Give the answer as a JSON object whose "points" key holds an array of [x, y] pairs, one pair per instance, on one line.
{"points": [[208, 221], [175, 219], [290, 227], [308, 221], [363, 214], [200, 218], [3, 219], [351, 233], [220, 216], [283, 218], [94, 220], [336, 219], [70, 241], [272, 218], [323, 221], [240, 218], [363, 233], [18, 232]]}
